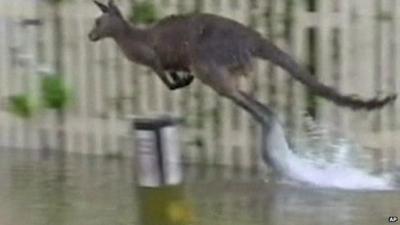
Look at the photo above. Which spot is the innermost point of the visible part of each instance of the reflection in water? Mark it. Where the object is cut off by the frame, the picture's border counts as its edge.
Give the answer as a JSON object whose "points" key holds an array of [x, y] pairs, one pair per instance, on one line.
{"points": [[95, 191], [164, 205]]}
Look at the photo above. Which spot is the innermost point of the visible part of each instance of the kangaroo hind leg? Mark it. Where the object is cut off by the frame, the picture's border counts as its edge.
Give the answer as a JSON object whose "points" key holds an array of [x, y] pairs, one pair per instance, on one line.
{"points": [[226, 84]]}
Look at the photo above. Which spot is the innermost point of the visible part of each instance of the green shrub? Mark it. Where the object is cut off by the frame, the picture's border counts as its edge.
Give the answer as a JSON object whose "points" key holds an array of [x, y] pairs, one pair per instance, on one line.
{"points": [[22, 106], [55, 94], [143, 12]]}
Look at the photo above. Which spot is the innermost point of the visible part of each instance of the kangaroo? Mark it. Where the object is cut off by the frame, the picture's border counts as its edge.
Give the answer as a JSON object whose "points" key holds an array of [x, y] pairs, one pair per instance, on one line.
{"points": [[216, 50]]}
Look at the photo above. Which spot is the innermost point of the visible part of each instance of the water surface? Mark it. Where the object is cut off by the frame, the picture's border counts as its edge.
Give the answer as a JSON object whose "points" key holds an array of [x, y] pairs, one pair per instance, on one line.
{"points": [[81, 190]]}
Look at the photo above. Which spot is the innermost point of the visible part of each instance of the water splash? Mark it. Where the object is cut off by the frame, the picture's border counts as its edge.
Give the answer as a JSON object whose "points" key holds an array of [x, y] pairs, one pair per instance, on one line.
{"points": [[338, 173]]}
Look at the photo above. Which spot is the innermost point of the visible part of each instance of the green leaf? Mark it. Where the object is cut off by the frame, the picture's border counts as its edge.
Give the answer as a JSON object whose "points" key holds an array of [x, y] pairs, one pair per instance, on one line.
{"points": [[144, 12], [55, 94], [22, 106]]}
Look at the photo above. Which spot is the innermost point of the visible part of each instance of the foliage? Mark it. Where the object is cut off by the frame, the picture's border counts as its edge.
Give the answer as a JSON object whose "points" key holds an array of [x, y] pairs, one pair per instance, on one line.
{"points": [[55, 94], [143, 12], [22, 106]]}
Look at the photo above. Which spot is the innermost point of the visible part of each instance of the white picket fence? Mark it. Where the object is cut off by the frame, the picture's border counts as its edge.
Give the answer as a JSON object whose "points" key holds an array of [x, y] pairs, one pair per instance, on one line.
{"points": [[353, 45]]}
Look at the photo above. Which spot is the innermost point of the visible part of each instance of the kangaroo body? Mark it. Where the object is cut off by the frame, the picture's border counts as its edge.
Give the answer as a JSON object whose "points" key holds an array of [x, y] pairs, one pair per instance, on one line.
{"points": [[214, 49], [184, 41]]}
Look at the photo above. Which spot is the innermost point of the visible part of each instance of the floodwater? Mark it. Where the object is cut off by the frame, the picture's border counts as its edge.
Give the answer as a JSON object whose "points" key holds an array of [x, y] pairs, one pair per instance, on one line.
{"points": [[81, 190]]}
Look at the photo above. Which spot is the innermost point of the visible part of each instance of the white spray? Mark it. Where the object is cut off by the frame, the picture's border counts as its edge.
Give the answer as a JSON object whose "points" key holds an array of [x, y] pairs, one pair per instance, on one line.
{"points": [[277, 153], [288, 164]]}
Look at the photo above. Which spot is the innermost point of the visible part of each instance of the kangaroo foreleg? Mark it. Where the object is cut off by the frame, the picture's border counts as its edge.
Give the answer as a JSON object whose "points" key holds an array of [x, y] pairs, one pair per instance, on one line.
{"points": [[183, 81], [176, 82]]}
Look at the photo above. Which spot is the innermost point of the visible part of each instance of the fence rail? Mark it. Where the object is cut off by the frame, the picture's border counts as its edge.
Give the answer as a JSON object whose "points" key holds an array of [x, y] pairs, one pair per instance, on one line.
{"points": [[353, 45]]}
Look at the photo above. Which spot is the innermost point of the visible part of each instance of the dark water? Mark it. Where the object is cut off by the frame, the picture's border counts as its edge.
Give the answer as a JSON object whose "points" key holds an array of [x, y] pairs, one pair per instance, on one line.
{"points": [[93, 191]]}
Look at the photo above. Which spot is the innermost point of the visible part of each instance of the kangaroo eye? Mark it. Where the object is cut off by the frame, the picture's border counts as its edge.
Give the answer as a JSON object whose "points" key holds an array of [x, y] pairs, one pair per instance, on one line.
{"points": [[97, 22]]}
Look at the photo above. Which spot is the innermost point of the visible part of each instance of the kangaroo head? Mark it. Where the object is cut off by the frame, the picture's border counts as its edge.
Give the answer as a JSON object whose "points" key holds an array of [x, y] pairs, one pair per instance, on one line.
{"points": [[109, 24]]}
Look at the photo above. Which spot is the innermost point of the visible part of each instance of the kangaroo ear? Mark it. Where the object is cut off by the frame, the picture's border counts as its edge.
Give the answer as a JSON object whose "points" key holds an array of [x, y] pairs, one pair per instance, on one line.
{"points": [[113, 8], [102, 7]]}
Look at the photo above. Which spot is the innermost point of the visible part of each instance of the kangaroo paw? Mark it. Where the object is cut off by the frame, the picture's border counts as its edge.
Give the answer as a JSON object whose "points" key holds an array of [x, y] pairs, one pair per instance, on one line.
{"points": [[187, 80], [180, 82]]}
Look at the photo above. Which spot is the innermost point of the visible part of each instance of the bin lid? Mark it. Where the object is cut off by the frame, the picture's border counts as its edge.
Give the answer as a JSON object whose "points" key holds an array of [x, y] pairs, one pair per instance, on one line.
{"points": [[153, 122]]}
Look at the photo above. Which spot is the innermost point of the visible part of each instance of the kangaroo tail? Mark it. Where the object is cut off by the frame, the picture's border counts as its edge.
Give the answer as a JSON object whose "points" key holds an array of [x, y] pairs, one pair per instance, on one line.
{"points": [[272, 53]]}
